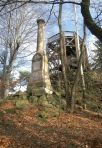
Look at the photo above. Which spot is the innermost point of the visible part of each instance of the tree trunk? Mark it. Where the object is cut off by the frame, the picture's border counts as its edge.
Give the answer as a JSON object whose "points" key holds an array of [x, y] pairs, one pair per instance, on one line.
{"points": [[63, 57], [89, 22], [6, 81], [79, 70]]}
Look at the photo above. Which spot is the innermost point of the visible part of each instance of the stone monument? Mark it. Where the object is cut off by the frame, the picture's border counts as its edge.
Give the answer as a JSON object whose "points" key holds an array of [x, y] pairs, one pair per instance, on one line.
{"points": [[39, 82]]}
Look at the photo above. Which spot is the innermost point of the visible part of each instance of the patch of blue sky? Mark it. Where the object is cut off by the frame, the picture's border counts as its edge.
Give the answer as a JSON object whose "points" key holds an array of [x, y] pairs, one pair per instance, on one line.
{"points": [[68, 20]]}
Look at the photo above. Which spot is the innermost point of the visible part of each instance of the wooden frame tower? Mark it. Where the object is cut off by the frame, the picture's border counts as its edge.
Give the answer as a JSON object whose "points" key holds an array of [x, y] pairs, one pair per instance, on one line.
{"points": [[54, 57]]}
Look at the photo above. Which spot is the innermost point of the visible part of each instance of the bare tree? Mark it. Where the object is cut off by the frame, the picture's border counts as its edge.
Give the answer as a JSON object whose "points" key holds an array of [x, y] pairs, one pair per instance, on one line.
{"points": [[73, 91], [89, 22], [63, 57], [18, 29]]}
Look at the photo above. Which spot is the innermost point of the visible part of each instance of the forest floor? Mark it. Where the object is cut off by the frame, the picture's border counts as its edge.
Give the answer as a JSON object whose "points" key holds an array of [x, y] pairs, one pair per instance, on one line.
{"points": [[30, 127]]}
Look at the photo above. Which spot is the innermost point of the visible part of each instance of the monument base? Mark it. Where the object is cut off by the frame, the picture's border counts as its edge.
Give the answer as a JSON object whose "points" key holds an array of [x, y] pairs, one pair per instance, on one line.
{"points": [[39, 83]]}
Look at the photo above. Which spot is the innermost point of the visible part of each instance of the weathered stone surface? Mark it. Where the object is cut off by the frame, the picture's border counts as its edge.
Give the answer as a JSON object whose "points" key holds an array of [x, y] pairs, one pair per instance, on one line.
{"points": [[39, 82], [43, 101]]}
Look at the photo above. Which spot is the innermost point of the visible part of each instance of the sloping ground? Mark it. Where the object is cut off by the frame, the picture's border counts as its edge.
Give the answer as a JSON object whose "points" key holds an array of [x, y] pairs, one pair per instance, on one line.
{"points": [[27, 128]]}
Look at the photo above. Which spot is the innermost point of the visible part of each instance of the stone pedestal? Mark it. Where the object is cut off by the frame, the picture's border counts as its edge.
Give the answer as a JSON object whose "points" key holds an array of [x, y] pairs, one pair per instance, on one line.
{"points": [[39, 83]]}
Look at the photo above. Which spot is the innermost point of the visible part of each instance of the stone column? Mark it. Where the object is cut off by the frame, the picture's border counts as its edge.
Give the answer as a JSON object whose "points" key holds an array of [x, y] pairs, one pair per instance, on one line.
{"points": [[39, 82], [40, 35]]}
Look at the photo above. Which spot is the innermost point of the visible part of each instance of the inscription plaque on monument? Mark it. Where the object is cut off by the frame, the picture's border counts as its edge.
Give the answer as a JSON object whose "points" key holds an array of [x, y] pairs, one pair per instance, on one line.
{"points": [[37, 65], [37, 62]]}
